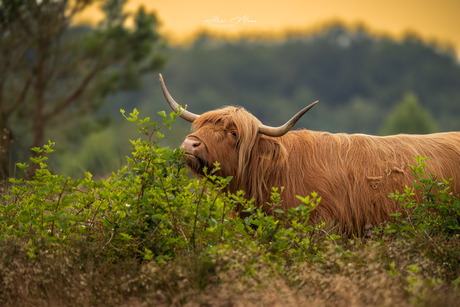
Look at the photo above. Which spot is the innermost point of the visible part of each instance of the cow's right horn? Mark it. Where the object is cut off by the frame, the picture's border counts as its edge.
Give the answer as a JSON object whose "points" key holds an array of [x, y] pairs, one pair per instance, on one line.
{"points": [[282, 130], [188, 116]]}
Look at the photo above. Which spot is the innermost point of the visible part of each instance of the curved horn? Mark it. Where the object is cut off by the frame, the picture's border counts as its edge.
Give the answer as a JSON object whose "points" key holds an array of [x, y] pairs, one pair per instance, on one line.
{"points": [[188, 116], [282, 130]]}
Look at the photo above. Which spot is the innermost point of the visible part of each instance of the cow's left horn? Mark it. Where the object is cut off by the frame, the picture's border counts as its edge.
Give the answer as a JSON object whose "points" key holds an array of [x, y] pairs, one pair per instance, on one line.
{"points": [[282, 130], [188, 116]]}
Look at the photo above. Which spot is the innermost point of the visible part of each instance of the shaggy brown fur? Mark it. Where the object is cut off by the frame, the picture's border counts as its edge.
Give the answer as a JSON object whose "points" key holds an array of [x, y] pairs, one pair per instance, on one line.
{"points": [[354, 174]]}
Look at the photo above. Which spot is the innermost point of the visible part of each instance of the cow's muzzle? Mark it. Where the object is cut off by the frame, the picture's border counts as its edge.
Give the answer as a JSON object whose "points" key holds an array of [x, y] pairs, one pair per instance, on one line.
{"points": [[191, 146], [194, 150]]}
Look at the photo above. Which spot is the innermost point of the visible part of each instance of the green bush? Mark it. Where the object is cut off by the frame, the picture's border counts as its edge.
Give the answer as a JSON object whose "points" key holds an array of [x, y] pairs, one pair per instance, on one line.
{"points": [[439, 212], [152, 234], [149, 209]]}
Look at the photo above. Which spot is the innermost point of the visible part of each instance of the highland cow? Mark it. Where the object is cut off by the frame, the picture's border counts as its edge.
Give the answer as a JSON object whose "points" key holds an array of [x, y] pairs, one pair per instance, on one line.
{"points": [[353, 174]]}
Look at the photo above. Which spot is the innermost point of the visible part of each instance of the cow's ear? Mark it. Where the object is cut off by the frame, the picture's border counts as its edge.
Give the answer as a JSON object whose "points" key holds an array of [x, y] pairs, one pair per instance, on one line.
{"points": [[270, 149]]}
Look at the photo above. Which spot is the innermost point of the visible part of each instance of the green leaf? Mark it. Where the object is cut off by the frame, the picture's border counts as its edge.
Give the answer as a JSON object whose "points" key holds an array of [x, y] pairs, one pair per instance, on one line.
{"points": [[44, 190], [22, 165], [148, 254], [15, 181], [63, 224], [36, 149], [126, 237]]}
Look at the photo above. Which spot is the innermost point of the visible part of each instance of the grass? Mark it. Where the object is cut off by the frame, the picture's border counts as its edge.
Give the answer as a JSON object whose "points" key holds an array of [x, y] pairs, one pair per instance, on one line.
{"points": [[371, 273]]}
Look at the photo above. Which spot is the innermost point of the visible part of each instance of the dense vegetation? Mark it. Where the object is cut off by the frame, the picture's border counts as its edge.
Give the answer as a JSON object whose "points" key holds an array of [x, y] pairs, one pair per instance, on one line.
{"points": [[150, 235]]}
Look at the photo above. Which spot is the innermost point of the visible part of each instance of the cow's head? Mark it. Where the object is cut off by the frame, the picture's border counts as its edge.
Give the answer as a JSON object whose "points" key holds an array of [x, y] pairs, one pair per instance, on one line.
{"points": [[229, 136]]}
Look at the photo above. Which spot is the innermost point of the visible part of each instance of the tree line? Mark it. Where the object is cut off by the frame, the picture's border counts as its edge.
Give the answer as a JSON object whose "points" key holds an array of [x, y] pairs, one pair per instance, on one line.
{"points": [[357, 77]]}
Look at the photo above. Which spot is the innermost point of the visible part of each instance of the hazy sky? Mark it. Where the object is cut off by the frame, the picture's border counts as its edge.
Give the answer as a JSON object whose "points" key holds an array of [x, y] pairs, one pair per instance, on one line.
{"points": [[432, 19]]}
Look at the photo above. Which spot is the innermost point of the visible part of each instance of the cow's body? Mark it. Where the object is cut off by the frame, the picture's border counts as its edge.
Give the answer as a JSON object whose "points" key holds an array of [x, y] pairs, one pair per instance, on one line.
{"points": [[353, 174]]}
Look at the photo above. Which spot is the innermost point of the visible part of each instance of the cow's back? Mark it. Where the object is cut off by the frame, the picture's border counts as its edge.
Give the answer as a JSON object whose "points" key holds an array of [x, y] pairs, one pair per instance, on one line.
{"points": [[354, 174]]}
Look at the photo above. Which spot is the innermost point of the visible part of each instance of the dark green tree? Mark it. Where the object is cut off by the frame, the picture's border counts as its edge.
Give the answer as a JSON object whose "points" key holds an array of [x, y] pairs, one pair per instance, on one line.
{"points": [[409, 117], [51, 72]]}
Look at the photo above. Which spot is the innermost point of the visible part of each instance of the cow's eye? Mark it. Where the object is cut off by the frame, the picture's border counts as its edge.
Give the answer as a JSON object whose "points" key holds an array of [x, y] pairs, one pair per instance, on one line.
{"points": [[234, 133]]}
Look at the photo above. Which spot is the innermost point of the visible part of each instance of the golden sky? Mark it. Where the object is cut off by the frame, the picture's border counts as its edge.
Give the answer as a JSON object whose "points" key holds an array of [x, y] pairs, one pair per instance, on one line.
{"points": [[437, 20]]}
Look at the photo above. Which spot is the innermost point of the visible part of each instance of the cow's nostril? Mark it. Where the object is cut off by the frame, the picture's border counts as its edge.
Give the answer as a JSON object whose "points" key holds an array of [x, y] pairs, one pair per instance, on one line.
{"points": [[191, 144]]}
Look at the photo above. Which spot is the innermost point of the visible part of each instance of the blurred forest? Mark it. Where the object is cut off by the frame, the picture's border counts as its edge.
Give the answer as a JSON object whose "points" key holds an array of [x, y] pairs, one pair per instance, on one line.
{"points": [[359, 79], [356, 77]]}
